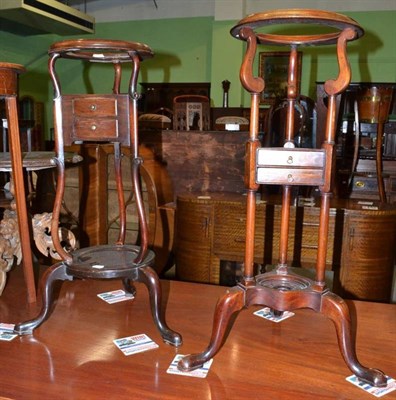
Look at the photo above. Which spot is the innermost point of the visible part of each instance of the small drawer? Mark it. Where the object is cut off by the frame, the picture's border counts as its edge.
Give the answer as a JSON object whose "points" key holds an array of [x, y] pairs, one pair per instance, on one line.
{"points": [[290, 158], [95, 106], [365, 184], [94, 129], [290, 176]]}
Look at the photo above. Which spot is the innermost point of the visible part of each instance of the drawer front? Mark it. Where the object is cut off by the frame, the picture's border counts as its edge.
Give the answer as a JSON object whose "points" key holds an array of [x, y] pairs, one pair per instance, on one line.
{"points": [[95, 107], [366, 187], [291, 158], [290, 176], [95, 129], [292, 167], [95, 118], [365, 184]]}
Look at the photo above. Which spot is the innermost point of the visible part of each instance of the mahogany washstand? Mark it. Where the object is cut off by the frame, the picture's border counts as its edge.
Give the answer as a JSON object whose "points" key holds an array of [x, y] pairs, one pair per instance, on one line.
{"points": [[289, 166], [102, 118]]}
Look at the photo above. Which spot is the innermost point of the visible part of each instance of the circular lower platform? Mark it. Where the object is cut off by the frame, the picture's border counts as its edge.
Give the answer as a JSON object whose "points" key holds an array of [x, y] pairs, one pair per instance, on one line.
{"points": [[283, 282], [107, 261]]}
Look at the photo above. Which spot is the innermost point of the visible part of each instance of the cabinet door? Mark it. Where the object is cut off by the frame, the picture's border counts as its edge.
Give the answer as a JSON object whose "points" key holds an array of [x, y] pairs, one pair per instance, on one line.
{"points": [[230, 234], [368, 255], [230, 231], [305, 238], [194, 235]]}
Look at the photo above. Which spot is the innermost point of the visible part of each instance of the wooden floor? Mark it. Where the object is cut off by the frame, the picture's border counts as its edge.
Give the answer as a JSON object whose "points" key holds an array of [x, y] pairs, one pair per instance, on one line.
{"points": [[72, 355]]}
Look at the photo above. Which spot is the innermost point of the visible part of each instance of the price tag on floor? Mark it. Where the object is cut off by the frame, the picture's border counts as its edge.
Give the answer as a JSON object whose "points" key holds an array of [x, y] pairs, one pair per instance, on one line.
{"points": [[135, 344], [7, 332], [196, 373], [115, 296], [266, 313], [375, 391]]}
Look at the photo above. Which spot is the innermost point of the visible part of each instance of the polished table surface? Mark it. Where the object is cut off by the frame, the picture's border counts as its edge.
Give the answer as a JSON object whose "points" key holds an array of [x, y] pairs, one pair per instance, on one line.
{"points": [[72, 355]]}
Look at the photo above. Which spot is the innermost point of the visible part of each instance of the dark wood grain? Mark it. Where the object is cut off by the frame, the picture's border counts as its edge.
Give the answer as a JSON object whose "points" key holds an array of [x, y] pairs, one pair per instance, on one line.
{"points": [[71, 356], [199, 161]]}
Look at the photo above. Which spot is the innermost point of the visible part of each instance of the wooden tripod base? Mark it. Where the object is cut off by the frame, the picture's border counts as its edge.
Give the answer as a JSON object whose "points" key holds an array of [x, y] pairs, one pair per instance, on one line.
{"points": [[130, 273], [284, 292]]}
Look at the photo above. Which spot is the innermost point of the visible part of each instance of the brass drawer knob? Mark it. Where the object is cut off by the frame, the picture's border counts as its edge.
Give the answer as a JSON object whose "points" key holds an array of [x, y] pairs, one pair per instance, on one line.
{"points": [[360, 184], [93, 107], [93, 127]]}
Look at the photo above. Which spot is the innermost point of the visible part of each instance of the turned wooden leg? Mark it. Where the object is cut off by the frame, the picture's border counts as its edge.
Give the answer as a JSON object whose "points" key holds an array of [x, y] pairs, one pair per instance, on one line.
{"points": [[55, 273], [20, 197], [150, 278], [230, 303], [337, 310]]}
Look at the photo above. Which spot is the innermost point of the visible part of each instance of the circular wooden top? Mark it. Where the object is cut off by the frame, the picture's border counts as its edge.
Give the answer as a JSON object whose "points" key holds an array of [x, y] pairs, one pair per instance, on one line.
{"points": [[15, 67], [9, 78], [297, 16], [98, 50]]}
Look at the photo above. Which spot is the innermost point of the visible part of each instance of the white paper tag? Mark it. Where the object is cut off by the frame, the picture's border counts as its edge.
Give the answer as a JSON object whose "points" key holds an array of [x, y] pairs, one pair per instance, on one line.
{"points": [[135, 344], [7, 332], [266, 314], [375, 391], [232, 127], [197, 373], [115, 296]]}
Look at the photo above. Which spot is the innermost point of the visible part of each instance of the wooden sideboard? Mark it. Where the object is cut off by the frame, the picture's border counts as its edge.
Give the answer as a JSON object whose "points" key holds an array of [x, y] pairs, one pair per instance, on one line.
{"points": [[211, 228]]}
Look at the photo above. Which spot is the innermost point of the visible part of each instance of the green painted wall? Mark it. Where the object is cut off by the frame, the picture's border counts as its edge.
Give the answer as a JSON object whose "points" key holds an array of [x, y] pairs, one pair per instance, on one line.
{"points": [[198, 50], [180, 54], [31, 52]]}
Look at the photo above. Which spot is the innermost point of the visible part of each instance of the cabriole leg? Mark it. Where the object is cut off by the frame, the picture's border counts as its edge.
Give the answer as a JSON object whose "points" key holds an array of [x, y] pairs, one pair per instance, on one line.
{"points": [[337, 310], [55, 273], [149, 277], [230, 303]]}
